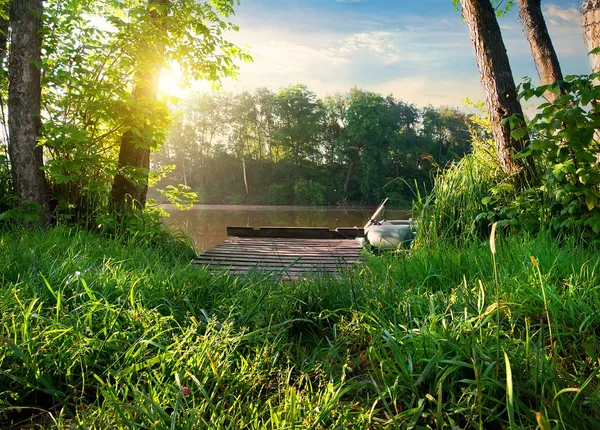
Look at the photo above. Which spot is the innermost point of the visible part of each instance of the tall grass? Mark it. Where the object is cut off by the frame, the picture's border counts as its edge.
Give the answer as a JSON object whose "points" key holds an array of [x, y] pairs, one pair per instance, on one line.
{"points": [[114, 333], [455, 208]]}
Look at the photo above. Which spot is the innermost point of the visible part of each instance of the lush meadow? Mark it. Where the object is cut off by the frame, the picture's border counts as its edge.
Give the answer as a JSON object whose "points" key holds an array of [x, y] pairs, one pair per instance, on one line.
{"points": [[104, 332]]}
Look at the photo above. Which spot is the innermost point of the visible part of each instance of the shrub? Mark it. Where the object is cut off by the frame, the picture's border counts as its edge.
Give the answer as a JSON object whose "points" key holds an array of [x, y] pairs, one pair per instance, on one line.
{"points": [[309, 193], [279, 194], [564, 142]]}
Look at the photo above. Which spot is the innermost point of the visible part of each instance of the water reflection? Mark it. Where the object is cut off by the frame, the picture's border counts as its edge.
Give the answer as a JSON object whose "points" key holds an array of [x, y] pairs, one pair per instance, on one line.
{"points": [[207, 224]]}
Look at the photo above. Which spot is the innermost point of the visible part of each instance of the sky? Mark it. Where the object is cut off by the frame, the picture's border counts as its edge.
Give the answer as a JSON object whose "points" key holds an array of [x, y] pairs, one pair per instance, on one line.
{"points": [[417, 50]]}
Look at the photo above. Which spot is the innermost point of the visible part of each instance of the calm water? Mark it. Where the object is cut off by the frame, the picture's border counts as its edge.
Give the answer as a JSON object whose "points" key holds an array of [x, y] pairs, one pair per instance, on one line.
{"points": [[207, 224]]}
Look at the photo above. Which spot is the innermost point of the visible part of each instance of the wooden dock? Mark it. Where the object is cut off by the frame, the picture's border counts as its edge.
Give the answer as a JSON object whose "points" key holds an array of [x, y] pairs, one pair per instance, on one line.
{"points": [[285, 252]]}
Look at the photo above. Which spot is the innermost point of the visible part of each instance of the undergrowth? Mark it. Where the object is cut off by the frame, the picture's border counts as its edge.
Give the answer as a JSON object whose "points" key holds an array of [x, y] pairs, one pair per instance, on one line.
{"points": [[101, 332]]}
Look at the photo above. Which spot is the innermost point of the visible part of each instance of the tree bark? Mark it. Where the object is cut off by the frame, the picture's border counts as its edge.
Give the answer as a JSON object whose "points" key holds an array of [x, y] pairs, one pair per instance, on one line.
{"points": [[497, 80], [590, 16], [544, 55], [245, 177], [3, 35], [134, 154], [348, 177], [24, 97]]}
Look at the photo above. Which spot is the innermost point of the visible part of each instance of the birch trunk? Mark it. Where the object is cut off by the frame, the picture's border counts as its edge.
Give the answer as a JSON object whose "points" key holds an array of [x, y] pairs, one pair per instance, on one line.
{"points": [[590, 16]]}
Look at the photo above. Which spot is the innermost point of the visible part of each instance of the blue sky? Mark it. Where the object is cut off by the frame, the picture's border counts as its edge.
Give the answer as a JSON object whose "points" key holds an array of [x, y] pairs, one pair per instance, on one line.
{"points": [[418, 50]]}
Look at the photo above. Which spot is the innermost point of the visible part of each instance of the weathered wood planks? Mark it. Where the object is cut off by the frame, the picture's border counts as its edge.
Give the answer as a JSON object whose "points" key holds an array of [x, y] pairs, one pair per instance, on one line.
{"points": [[285, 257], [296, 232]]}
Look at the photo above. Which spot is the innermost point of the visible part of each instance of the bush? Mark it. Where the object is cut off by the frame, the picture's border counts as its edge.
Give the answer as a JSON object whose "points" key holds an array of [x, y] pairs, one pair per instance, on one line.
{"points": [[309, 193], [279, 194], [564, 142]]}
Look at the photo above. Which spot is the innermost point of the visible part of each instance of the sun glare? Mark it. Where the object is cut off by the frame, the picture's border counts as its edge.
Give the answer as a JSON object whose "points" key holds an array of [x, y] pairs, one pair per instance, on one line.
{"points": [[172, 84]]}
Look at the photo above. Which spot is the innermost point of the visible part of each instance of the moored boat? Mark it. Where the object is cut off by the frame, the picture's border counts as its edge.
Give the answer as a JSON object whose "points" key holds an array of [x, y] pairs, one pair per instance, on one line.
{"points": [[387, 234]]}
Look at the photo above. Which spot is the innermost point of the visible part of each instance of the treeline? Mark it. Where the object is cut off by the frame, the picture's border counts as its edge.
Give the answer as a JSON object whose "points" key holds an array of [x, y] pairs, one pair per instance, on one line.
{"points": [[290, 147]]}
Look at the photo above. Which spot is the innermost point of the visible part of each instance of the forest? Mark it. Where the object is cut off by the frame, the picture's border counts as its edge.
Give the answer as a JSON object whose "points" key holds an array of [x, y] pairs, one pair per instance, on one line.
{"points": [[290, 147], [488, 319]]}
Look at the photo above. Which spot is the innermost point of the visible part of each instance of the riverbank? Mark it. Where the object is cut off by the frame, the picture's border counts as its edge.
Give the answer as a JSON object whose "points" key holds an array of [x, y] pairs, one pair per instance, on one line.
{"points": [[99, 332]]}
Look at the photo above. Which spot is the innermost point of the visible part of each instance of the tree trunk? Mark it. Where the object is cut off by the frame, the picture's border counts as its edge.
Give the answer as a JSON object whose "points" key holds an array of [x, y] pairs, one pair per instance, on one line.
{"points": [[544, 55], [3, 35], [497, 80], [348, 177], [590, 15], [245, 177], [134, 154], [24, 94], [3, 52]]}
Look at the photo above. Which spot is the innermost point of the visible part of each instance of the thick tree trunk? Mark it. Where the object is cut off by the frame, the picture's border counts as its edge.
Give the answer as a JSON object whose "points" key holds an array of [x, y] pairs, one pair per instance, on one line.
{"points": [[24, 94], [590, 15], [134, 154], [544, 55], [496, 78]]}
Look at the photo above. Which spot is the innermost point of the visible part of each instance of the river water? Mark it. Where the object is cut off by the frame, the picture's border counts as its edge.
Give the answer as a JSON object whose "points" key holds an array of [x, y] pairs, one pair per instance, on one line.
{"points": [[207, 224]]}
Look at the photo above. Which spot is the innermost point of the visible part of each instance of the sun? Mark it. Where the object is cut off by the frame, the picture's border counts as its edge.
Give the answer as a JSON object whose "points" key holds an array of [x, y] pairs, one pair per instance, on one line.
{"points": [[172, 83]]}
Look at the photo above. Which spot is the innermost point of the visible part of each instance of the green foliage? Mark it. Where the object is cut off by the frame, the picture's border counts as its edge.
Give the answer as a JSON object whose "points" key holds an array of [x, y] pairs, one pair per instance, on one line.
{"points": [[279, 194], [94, 53], [289, 135], [502, 7], [459, 206], [372, 129], [565, 145], [309, 193], [6, 187], [299, 123], [125, 333], [180, 196]]}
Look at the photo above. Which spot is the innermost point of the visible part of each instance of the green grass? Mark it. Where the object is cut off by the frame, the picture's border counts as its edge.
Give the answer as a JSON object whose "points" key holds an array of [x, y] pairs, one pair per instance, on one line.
{"points": [[116, 333]]}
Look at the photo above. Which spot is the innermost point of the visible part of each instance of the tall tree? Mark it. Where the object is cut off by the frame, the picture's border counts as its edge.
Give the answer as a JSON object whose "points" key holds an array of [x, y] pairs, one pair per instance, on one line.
{"points": [[189, 32], [544, 55], [496, 78], [300, 119], [134, 155], [590, 14], [372, 128], [24, 94]]}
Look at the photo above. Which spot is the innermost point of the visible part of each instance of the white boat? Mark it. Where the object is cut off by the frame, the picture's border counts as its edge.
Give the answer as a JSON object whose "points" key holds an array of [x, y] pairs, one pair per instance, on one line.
{"points": [[387, 234]]}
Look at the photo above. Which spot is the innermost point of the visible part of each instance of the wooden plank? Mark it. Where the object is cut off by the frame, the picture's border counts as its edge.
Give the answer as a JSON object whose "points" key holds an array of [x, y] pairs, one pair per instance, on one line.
{"points": [[336, 240], [285, 257], [290, 270], [283, 252], [294, 243], [279, 269], [295, 232], [275, 258], [274, 264]]}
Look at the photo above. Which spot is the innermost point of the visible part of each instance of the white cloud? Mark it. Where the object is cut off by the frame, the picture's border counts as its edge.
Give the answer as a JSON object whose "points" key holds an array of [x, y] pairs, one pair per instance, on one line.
{"points": [[569, 14], [423, 90], [420, 59]]}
